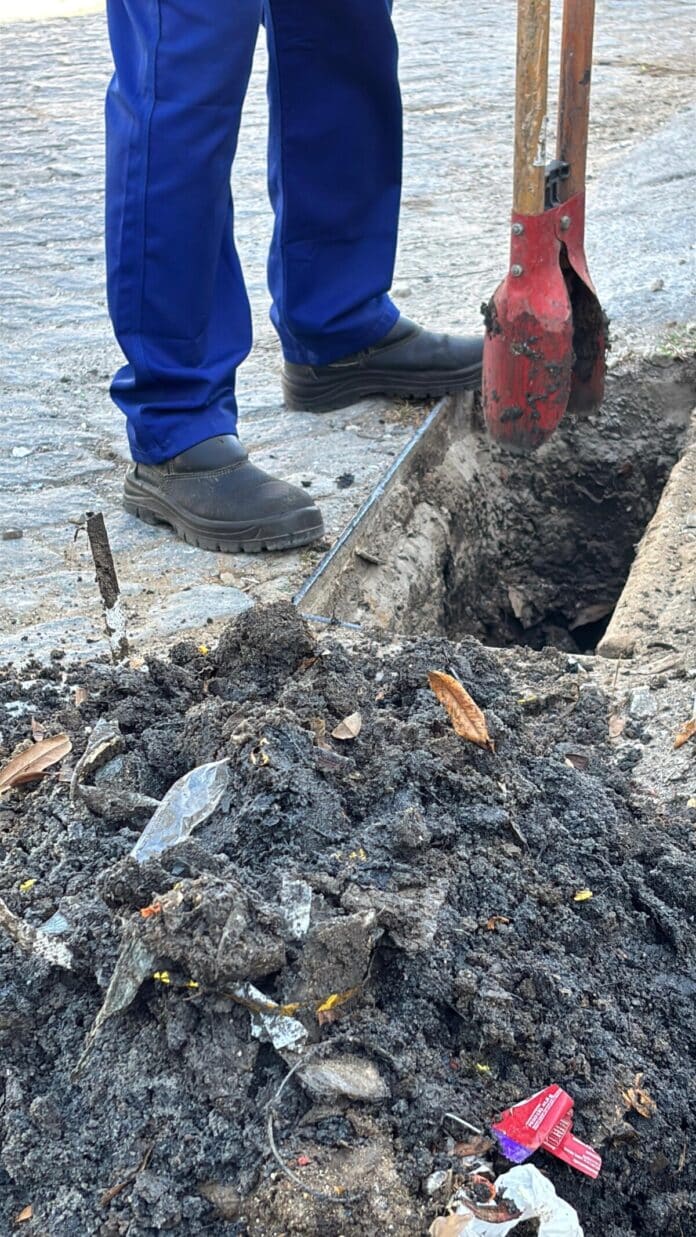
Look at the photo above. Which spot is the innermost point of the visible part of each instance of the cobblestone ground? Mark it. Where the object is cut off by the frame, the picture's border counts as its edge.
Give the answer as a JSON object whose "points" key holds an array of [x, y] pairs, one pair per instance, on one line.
{"points": [[62, 444]]}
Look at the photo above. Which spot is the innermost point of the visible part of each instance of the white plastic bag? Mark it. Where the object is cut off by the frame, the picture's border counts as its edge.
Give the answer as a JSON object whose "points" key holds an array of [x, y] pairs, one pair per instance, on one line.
{"points": [[534, 1196]]}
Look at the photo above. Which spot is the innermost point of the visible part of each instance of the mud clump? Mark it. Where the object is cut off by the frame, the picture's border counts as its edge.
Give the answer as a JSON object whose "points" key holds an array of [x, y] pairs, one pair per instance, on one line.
{"points": [[392, 918]]}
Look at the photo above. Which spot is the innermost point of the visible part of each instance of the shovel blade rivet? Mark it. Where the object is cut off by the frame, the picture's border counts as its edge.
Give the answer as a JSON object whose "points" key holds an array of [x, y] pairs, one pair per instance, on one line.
{"points": [[565, 222], [516, 269], [517, 229]]}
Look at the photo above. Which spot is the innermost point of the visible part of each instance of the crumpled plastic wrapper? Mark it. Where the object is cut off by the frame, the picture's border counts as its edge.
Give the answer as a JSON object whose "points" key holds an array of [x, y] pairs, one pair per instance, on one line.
{"points": [[534, 1197], [186, 804]]}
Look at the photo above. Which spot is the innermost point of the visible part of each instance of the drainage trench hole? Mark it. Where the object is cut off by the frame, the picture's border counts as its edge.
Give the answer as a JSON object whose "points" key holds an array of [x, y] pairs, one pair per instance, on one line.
{"points": [[557, 533], [531, 550]]}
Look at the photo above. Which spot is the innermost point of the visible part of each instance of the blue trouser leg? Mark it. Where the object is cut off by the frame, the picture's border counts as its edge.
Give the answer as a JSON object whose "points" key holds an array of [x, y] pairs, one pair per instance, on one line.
{"points": [[334, 174], [176, 293], [175, 287]]}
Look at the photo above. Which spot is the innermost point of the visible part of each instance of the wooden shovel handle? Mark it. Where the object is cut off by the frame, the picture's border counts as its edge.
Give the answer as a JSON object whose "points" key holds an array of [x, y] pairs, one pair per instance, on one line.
{"points": [[574, 92], [530, 105]]}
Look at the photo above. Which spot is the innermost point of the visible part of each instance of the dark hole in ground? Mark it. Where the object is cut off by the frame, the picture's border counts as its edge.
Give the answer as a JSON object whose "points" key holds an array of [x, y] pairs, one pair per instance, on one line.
{"points": [[518, 550], [557, 533]]}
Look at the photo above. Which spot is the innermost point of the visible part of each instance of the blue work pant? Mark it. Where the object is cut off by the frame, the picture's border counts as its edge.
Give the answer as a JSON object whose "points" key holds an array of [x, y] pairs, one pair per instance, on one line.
{"points": [[176, 292]]}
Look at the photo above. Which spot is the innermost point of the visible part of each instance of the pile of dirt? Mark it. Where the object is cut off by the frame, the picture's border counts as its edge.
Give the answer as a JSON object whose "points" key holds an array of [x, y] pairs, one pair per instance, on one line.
{"points": [[408, 898]]}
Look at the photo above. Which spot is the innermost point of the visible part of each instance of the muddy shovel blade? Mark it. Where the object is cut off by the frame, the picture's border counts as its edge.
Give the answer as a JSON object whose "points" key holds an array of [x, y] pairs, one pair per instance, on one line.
{"points": [[528, 347], [590, 324]]}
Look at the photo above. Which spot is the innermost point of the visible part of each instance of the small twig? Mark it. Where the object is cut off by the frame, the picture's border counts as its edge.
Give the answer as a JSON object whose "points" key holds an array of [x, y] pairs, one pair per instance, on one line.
{"points": [[107, 583], [113, 1191]]}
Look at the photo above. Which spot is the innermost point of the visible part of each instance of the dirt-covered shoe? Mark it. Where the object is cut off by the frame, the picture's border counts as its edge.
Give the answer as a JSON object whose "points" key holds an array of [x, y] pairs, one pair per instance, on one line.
{"points": [[213, 497], [409, 362]]}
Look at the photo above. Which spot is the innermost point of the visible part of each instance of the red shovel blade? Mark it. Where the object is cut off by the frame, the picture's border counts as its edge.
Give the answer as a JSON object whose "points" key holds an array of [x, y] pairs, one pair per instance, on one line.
{"points": [[528, 347], [590, 324]]}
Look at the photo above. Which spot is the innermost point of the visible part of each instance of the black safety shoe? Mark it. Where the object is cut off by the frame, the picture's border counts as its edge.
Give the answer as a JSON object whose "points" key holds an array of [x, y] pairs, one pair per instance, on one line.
{"points": [[409, 362], [214, 498]]}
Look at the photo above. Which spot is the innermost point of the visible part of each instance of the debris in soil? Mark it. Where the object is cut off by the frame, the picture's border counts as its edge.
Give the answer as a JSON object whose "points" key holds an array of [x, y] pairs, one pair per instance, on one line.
{"points": [[349, 728], [687, 731], [545, 1120], [354, 951], [520, 1194], [31, 763], [190, 801], [107, 583], [466, 717], [32, 940]]}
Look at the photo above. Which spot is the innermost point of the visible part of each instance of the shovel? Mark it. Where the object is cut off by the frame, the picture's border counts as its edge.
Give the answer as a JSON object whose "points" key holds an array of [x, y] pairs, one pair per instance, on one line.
{"points": [[545, 344]]}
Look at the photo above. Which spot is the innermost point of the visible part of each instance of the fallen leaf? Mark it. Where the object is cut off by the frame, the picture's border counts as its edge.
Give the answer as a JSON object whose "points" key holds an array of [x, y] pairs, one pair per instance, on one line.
{"points": [[583, 895], [306, 664], [38, 730], [27, 884], [81, 696], [32, 763], [617, 725], [349, 728], [203, 650], [466, 717], [25, 1214], [687, 732], [483, 1069], [637, 1098], [494, 921]]}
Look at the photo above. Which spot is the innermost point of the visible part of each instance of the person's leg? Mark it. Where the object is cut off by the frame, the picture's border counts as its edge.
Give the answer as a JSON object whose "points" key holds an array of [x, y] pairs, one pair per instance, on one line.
{"points": [[334, 174], [176, 293], [175, 288], [335, 180]]}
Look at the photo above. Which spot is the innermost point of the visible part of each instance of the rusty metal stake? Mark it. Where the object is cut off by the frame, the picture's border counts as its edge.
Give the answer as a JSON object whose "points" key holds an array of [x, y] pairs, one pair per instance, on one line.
{"points": [[107, 583]]}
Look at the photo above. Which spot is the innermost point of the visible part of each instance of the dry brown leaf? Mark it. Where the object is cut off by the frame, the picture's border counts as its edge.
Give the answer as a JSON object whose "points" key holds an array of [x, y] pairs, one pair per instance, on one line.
{"points": [[38, 730], [494, 921], [466, 717], [637, 1098], [32, 763], [617, 725], [687, 732], [349, 728], [81, 695], [25, 1214]]}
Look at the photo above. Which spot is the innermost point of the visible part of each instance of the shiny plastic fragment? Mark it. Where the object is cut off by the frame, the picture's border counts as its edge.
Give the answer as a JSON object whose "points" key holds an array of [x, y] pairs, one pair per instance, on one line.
{"points": [[280, 1028], [133, 965], [526, 1191], [186, 805], [33, 941]]}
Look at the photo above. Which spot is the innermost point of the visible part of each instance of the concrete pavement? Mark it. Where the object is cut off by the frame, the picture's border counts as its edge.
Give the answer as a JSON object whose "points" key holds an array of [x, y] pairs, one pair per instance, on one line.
{"points": [[62, 445]]}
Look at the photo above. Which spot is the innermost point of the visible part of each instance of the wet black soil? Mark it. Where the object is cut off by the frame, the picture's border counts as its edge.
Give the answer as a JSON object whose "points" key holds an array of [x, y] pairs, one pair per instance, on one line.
{"points": [[443, 881], [541, 546]]}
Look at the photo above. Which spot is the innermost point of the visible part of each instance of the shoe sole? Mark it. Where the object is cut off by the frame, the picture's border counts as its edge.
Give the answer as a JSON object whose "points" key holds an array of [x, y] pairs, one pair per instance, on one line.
{"points": [[327, 394], [151, 508]]}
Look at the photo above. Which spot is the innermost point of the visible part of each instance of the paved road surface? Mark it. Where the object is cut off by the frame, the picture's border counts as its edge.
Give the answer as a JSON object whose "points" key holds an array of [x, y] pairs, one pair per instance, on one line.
{"points": [[62, 445]]}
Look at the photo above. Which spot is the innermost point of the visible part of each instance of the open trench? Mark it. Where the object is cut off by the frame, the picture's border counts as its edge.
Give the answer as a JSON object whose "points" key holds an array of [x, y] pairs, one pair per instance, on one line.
{"points": [[467, 539]]}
